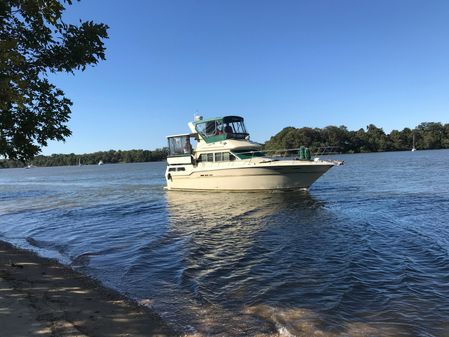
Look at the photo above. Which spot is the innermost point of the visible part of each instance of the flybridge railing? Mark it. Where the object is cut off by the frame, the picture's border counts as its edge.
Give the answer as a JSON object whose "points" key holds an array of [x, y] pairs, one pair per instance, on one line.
{"points": [[326, 150], [281, 153], [290, 154]]}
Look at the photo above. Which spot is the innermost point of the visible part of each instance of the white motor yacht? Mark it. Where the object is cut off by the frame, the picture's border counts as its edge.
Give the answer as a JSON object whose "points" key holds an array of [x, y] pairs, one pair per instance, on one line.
{"points": [[224, 158]]}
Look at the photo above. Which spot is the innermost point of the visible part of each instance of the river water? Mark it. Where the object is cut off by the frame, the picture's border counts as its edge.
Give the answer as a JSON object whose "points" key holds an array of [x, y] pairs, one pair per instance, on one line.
{"points": [[363, 253]]}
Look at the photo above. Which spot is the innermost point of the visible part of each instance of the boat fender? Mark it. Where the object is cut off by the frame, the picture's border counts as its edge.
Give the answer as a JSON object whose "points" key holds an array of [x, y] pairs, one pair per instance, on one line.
{"points": [[307, 154], [301, 153]]}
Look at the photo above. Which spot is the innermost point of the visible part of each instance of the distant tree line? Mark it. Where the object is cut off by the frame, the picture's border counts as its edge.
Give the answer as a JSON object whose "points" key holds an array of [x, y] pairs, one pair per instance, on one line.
{"points": [[427, 136], [107, 157], [373, 139]]}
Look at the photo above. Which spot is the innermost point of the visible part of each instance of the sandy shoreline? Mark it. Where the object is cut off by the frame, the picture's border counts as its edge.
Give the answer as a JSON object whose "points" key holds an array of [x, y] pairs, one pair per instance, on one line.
{"points": [[41, 297]]}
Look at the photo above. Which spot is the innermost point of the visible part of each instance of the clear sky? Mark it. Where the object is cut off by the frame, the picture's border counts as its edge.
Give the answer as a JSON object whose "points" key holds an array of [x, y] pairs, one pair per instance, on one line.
{"points": [[276, 63]]}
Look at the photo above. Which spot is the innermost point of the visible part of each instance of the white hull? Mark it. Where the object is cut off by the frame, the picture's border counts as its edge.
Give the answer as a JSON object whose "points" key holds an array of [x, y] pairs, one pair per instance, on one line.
{"points": [[283, 175]]}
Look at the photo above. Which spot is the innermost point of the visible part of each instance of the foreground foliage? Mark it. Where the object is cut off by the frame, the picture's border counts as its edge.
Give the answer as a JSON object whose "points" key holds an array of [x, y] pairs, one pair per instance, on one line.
{"points": [[35, 42]]}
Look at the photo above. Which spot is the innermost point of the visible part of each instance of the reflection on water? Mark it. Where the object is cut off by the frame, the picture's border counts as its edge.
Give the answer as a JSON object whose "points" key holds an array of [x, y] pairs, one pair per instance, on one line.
{"points": [[219, 264], [222, 250], [364, 253]]}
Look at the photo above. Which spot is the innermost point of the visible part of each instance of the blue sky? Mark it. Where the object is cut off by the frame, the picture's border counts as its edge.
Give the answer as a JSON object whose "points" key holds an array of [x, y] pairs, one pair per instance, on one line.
{"points": [[276, 63]]}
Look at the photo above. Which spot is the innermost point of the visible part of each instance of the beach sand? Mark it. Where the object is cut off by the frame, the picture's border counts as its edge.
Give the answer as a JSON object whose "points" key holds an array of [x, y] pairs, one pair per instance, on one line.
{"points": [[41, 297]]}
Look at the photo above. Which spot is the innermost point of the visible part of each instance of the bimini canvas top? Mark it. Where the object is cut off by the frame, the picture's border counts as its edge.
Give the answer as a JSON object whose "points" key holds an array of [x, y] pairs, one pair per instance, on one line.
{"points": [[221, 128]]}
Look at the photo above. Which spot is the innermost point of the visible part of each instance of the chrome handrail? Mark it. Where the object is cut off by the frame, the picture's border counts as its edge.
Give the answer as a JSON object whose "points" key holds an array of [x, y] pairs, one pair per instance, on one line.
{"points": [[285, 153]]}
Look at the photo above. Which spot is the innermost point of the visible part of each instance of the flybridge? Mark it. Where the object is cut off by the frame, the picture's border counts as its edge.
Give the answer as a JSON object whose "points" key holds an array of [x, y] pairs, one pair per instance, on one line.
{"points": [[222, 128], [210, 130]]}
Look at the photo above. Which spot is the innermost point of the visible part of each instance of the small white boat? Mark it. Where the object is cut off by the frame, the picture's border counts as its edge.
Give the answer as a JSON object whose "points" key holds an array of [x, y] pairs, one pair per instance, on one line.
{"points": [[225, 159], [100, 163], [413, 148]]}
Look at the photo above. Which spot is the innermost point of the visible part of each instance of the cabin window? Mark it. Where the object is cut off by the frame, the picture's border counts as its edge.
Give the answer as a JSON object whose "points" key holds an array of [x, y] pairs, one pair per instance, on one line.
{"points": [[179, 145], [171, 169], [206, 157], [210, 128], [181, 168], [235, 127], [219, 156], [224, 156]]}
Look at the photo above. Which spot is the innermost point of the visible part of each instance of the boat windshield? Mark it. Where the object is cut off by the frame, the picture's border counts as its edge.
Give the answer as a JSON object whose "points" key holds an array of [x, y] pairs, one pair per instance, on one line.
{"points": [[179, 145], [247, 154], [230, 127]]}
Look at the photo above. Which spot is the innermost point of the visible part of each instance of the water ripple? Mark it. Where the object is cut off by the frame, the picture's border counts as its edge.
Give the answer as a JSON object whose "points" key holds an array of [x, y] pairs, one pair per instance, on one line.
{"points": [[364, 253]]}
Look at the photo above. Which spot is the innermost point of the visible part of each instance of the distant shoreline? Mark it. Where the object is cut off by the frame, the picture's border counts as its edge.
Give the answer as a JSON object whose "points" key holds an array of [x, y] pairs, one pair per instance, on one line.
{"points": [[22, 165], [95, 158]]}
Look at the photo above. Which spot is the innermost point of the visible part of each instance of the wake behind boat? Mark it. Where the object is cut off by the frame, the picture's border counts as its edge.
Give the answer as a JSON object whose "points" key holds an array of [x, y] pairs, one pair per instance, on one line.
{"points": [[225, 159]]}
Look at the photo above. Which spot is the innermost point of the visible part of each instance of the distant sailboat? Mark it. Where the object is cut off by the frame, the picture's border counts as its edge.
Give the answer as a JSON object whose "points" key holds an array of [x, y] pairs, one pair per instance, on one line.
{"points": [[100, 162], [413, 148], [79, 161]]}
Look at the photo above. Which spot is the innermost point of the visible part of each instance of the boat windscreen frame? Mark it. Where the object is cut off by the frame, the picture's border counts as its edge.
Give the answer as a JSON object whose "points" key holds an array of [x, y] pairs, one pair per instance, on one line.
{"points": [[248, 153]]}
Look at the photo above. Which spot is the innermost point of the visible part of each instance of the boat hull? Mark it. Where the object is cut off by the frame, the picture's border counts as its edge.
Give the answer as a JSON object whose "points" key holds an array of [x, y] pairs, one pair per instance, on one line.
{"points": [[250, 178]]}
